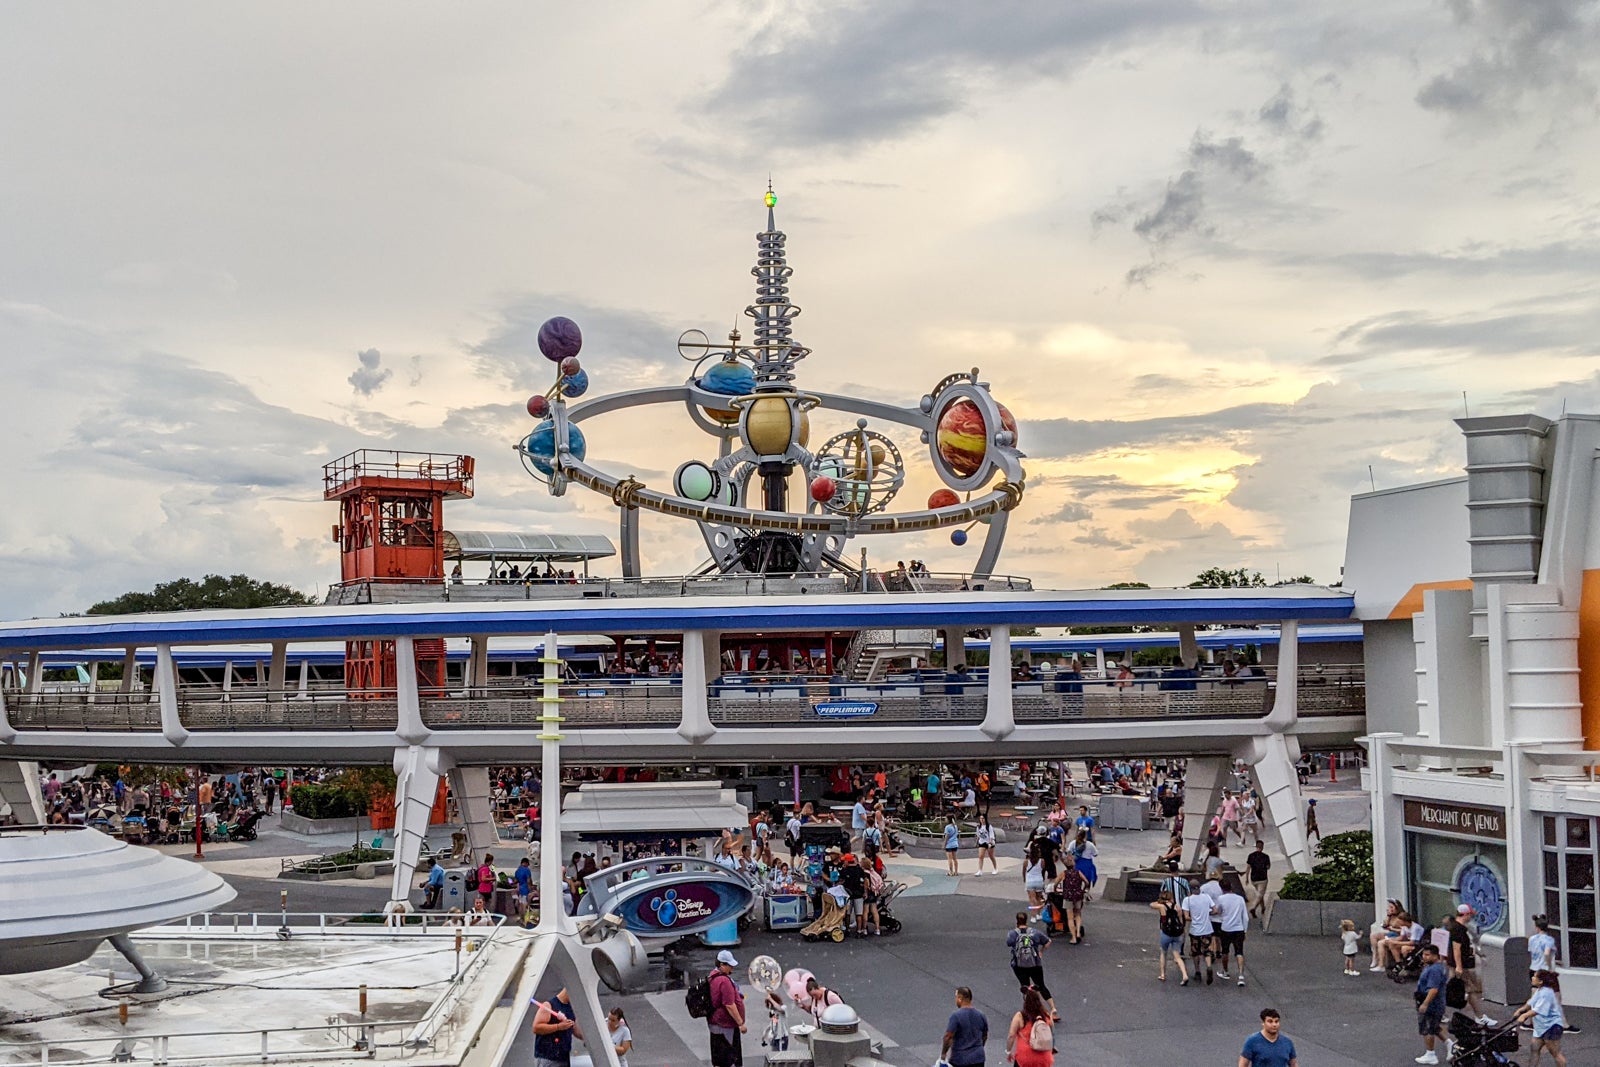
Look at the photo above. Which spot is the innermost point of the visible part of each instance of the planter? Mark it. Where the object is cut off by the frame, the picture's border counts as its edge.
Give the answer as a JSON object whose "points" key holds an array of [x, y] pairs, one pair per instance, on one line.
{"points": [[297, 825], [1316, 918]]}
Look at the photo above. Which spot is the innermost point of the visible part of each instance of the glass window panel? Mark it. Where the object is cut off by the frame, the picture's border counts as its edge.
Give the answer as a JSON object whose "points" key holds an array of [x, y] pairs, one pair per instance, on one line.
{"points": [[1552, 870], [1581, 948], [1437, 858], [1580, 911], [1552, 905], [1550, 830], [1578, 832], [1580, 870]]}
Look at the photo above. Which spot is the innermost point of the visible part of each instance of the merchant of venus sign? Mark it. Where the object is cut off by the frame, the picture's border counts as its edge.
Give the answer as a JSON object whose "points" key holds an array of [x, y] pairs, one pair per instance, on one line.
{"points": [[744, 396]]}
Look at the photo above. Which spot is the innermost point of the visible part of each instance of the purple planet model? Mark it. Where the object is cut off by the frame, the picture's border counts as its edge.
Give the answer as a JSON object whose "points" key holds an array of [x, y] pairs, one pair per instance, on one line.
{"points": [[560, 338]]}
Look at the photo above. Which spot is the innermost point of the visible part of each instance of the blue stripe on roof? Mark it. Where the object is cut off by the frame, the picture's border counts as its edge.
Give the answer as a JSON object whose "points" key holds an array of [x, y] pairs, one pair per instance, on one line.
{"points": [[643, 616]]}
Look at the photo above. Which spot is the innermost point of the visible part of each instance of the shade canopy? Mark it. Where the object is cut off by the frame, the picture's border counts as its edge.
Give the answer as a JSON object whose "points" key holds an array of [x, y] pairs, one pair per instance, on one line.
{"points": [[506, 546]]}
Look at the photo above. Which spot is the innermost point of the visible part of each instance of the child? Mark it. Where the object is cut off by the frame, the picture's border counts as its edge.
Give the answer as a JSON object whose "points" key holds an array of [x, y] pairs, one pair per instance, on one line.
{"points": [[1351, 939]]}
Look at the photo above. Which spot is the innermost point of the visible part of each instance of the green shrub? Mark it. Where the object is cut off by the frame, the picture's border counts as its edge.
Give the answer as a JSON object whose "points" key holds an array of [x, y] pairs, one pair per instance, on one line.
{"points": [[1345, 872], [326, 802]]}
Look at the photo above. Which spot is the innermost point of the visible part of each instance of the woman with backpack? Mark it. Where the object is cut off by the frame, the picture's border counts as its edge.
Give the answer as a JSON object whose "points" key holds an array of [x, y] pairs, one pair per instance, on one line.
{"points": [[1073, 885], [1031, 1039], [1170, 926]]}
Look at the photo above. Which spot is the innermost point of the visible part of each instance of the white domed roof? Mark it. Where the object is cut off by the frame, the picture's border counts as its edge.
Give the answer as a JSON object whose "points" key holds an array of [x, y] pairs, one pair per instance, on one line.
{"points": [[839, 1019], [63, 891]]}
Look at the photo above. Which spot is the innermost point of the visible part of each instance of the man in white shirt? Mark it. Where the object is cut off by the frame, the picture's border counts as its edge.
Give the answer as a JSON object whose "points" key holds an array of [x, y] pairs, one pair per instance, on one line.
{"points": [[1199, 908], [791, 835], [1233, 916], [858, 826]]}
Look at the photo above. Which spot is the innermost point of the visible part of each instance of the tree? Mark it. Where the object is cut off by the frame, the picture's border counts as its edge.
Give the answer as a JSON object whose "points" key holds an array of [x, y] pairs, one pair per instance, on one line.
{"points": [[212, 591], [1219, 578], [1127, 585], [1304, 579]]}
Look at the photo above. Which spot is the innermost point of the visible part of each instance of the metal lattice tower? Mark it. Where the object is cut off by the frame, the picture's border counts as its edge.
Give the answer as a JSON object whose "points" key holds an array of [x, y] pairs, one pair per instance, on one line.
{"points": [[776, 350]]}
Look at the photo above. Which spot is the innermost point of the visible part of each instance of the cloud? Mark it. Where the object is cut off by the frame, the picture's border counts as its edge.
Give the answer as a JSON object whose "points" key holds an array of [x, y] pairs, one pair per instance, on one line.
{"points": [[369, 378], [853, 74], [1523, 50], [634, 348], [1071, 511], [1286, 116], [1563, 325]]}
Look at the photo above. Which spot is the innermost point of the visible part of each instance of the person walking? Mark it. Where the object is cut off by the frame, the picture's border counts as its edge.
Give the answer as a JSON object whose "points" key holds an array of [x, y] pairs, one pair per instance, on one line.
{"points": [[1464, 961], [1259, 864], [555, 1024], [1169, 929], [621, 1036], [1027, 959], [965, 1033], [1084, 852], [1073, 885], [485, 877], [1429, 996], [1541, 947], [1198, 908], [1030, 1042], [1270, 1047], [1033, 878], [1549, 1022], [986, 845], [1311, 821], [952, 842], [726, 1021], [1233, 917]]}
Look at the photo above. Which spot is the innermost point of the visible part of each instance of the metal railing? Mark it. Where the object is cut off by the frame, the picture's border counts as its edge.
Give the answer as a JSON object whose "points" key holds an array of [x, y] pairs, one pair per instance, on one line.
{"points": [[386, 463], [732, 700]]}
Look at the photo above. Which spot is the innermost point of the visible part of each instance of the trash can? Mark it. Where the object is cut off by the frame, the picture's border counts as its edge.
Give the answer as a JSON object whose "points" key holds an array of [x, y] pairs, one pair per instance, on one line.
{"points": [[456, 880], [786, 911], [1503, 966]]}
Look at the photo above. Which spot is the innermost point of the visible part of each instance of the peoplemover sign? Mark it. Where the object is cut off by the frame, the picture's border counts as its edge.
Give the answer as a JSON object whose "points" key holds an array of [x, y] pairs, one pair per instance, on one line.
{"points": [[847, 709]]}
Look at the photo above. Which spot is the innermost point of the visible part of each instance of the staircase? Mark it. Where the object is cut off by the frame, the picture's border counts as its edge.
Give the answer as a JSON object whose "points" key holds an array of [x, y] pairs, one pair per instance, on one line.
{"points": [[871, 652]]}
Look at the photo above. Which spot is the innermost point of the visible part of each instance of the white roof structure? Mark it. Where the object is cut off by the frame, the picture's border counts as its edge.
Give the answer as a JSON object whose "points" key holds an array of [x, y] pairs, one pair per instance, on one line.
{"points": [[648, 807]]}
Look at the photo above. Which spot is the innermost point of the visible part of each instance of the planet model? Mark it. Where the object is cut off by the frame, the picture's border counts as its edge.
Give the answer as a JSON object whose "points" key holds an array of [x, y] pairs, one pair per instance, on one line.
{"points": [[958, 537], [538, 405], [540, 446], [727, 378], [962, 437], [575, 385], [768, 422], [943, 498], [822, 489], [570, 366], [560, 338], [696, 481]]}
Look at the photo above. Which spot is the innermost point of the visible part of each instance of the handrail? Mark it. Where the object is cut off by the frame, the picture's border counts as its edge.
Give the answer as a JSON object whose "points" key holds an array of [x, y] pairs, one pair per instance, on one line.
{"points": [[879, 582]]}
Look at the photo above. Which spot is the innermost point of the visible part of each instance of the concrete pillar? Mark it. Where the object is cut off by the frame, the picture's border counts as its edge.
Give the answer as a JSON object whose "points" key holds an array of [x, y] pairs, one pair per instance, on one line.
{"points": [[417, 782], [1286, 699], [470, 787], [305, 679], [1524, 881], [94, 681], [954, 639], [1281, 800], [35, 674], [130, 671], [553, 918], [19, 787], [1203, 783], [278, 672], [477, 676], [695, 724], [166, 686], [8, 733], [1188, 647], [999, 718], [408, 722]]}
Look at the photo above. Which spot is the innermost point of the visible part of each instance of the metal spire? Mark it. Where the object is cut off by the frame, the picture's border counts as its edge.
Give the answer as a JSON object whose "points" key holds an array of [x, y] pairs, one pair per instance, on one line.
{"points": [[775, 348]]}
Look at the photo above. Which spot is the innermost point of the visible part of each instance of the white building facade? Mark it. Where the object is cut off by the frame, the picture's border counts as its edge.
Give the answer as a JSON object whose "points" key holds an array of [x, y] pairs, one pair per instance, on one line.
{"points": [[1479, 599]]}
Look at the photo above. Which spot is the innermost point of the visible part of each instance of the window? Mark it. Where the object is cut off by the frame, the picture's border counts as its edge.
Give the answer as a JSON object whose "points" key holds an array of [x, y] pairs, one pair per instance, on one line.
{"points": [[1436, 866], [1569, 887]]}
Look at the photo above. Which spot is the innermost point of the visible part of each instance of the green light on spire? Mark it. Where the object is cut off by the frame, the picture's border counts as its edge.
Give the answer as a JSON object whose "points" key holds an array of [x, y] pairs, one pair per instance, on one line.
{"points": [[771, 197]]}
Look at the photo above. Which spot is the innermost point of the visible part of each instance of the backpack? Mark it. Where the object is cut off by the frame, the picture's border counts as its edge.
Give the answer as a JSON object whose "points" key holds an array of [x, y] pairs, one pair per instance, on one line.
{"points": [[1024, 954], [791, 839], [1040, 1037], [1171, 921], [1455, 993], [697, 998]]}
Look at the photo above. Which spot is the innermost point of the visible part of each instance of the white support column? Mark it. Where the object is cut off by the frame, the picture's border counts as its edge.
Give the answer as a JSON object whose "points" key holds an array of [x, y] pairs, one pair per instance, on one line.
{"points": [[166, 686], [417, 782], [477, 676], [695, 724], [1388, 844], [553, 918], [305, 679], [1286, 696], [1524, 881], [227, 679], [1188, 647], [408, 723], [8, 733], [1280, 795], [94, 680], [19, 787], [130, 671], [955, 646], [1203, 783], [35, 674], [999, 718], [278, 673], [470, 787]]}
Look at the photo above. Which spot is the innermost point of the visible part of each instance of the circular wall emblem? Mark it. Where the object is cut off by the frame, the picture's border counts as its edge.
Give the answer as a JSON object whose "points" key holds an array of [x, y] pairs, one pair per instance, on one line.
{"points": [[1483, 888]]}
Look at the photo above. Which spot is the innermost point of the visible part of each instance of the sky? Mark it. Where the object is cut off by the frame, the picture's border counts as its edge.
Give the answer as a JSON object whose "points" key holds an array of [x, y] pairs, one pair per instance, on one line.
{"points": [[1228, 263]]}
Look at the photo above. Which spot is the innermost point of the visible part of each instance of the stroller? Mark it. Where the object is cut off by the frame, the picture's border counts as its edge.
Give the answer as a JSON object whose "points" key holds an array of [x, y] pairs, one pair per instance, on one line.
{"points": [[244, 828], [1476, 1045], [886, 920], [829, 926], [1406, 968]]}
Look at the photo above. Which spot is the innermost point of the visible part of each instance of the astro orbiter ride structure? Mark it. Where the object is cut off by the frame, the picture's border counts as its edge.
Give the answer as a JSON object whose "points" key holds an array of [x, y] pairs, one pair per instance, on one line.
{"points": [[745, 397]]}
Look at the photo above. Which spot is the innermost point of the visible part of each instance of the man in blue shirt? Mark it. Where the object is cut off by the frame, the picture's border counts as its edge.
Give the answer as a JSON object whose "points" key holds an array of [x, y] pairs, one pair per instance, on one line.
{"points": [[435, 888], [965, 1033], [524, 877], [1430, 1001], [1268, 1048], [858, 826], [933, 793], [1084, 822]]}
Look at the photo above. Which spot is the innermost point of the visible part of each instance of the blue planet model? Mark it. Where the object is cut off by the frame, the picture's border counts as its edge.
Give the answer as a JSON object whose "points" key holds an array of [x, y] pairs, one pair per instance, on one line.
{"points": [[540, 446]]}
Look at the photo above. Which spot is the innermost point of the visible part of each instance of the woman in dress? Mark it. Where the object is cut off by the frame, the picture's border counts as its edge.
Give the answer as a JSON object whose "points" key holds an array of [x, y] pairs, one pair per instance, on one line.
{"points": [[1083, 854], [1033, 876], [1019, 1039], [1074, 889]]}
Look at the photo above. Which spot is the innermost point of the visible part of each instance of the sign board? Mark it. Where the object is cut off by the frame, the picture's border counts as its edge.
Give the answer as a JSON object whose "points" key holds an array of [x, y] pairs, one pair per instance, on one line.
{"points": [[847, 709], [684, 903], [1440, 817]]}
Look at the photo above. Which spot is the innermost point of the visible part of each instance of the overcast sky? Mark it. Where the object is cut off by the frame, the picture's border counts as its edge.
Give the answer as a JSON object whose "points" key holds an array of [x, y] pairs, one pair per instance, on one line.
{"points": [[1218, 258]]}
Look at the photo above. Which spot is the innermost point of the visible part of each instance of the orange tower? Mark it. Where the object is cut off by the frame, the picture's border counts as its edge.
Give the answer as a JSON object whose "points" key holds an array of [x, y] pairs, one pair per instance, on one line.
{"points": [[391, 529]]}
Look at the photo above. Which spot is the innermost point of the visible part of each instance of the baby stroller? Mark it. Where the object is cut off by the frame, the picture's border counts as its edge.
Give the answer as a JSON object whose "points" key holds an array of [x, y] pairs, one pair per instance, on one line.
{"points": [[886, 920], [1481, 1046], [244, 828], [829, 926], [1406, 968], [1054, 914]]}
